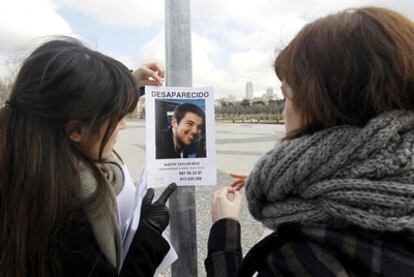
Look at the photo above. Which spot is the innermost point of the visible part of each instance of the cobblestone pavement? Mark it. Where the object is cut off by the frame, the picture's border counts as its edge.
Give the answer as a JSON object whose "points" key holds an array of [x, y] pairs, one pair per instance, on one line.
{"points": [[238, 147]]}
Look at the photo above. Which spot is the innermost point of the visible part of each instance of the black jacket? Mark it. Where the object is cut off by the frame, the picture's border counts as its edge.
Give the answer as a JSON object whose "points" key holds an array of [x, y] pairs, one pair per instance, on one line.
{"points": [[165, 148], [310, 251], [80, 255]]}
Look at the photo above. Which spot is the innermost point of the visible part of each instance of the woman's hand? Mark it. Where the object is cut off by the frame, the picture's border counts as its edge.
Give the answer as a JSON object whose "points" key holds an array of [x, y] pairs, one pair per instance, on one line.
{"points": [[156, 215], [151, 74], [226, 204], [239, 180]]}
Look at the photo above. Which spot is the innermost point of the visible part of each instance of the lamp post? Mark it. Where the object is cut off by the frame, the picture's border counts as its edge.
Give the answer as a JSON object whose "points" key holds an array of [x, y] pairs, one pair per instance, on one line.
{"points": [[179, 73]]}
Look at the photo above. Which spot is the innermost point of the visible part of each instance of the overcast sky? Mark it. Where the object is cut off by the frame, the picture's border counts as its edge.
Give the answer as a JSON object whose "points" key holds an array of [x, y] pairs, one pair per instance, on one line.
{"points": [[233, 41]]}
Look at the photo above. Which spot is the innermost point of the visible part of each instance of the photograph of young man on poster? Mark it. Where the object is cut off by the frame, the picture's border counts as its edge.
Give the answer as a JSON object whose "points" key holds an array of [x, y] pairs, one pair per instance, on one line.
{"points": [[180, 129]]}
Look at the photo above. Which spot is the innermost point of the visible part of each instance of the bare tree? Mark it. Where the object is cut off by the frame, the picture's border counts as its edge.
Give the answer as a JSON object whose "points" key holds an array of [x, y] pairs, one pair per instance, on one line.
{"points": [[5, 89]]}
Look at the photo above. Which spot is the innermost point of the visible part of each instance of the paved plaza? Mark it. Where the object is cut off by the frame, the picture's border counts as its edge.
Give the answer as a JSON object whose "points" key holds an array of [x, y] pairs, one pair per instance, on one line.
{"points": [[238, 147]]}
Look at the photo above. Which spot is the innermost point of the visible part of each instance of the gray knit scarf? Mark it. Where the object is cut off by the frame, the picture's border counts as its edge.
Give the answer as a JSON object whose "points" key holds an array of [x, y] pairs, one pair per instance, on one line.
{"points": [[105, 221], [340, 176]]}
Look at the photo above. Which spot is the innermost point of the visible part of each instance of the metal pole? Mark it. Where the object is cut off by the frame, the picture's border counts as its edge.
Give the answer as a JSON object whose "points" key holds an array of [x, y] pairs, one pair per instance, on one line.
{"points": [[179, 73]]}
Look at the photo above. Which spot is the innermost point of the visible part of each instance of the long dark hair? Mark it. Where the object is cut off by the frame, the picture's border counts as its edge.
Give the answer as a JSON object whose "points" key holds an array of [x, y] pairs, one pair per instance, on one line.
{"points": [[61, 81], [347, 68]]}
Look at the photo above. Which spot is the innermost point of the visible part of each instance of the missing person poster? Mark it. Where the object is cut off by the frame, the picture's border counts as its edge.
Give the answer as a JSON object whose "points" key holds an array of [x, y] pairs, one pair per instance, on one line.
{"points": [[180, 136]]}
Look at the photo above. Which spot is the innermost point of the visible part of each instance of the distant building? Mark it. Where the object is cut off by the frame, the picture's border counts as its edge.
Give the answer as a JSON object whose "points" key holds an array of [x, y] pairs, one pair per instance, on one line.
{"points": [[269, 92], [249, 90], [256, 100], [269, 95], [218, 102], [231, 99]]}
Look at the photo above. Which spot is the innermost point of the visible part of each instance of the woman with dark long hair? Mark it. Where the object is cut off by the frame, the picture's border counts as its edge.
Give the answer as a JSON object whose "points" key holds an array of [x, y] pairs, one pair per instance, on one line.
{"points": [[59, 175], [339, 190]]}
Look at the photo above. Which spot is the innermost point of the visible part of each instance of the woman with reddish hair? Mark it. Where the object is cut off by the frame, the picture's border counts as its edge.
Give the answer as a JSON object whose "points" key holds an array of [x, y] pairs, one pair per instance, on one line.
{"points": [[339, 190]]}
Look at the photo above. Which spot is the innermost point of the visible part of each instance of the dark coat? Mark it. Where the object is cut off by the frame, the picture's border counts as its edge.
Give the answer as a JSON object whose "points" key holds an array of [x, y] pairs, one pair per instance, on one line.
{"points": [[80, 254], [165, 148], [310, 251]]}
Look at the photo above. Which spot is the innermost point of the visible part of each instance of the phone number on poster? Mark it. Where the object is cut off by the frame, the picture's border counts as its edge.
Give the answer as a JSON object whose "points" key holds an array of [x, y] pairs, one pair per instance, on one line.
{"points": [[190, 175]]}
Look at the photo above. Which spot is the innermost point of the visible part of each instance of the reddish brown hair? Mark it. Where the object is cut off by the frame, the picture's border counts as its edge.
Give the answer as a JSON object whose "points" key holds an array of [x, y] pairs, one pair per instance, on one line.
{"points": [[349, 67]]}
